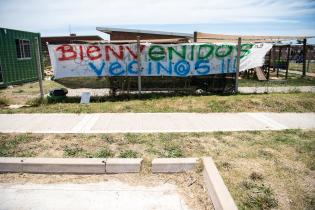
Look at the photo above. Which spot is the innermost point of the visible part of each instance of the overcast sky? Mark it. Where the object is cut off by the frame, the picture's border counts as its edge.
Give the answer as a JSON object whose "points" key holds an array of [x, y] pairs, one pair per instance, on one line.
{"points": [[265, 17]]}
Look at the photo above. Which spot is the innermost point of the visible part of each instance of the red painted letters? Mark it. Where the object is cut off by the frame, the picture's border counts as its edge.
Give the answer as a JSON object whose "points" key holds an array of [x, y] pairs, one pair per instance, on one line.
{"points": [[93, 50], [68, 53]]}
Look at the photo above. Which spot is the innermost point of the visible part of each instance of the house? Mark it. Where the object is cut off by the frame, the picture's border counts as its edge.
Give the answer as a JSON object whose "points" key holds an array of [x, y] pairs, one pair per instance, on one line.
{"points": [[18, 63], [124, 36], [72, 39]]}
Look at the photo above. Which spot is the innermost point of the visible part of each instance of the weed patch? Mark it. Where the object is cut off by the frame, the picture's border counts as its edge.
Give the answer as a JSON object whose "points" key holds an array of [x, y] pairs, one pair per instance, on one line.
{"points": [[128, 154]]}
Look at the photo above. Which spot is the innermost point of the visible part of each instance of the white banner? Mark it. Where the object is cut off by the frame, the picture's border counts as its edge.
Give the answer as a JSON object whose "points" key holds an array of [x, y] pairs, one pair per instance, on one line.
{"points": [[181, 60]]}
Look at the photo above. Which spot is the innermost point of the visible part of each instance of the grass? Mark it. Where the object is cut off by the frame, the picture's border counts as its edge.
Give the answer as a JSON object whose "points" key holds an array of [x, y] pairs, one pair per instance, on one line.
{"points": [[4, 101], [299, 66], [128, 154], [294, 80], [161, 102], [21, 94], [262, 169], [275, 102]]}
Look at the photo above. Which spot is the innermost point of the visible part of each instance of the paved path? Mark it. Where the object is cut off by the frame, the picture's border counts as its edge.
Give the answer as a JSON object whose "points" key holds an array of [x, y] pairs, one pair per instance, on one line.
{"points": [[262, 89], [298, 72], [153, 122], [108, 195], [279, 89]]}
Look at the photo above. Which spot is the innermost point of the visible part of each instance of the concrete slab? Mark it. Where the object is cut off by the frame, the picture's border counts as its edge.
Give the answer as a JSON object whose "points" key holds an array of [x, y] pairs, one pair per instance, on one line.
{"points": [[153, 122], [123, 165], [173, 165], [64, 165], [108, 195]]}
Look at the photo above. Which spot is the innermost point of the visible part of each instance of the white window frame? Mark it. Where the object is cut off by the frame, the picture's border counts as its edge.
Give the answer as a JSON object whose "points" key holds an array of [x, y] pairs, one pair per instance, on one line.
{"points": [[22, 49]]}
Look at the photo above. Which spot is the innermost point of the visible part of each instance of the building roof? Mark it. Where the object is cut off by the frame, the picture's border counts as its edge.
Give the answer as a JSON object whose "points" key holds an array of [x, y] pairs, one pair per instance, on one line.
{"points": [[71, 39], [154, 41], [207, 37], [111, 30]]}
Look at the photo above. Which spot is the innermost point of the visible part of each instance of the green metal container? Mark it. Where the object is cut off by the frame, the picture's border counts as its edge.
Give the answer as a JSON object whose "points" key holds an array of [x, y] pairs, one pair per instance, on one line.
{"points": [[18, 56]]}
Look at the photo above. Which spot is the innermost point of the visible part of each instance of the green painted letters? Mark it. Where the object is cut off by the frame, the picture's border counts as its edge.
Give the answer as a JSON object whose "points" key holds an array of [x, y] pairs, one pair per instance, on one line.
{"points": [[156, 53], [181, 54], [209, 51]]}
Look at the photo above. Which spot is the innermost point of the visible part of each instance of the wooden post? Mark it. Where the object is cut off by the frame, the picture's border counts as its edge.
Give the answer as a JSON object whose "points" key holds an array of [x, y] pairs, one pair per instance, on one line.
{"points": [[39, 69], [279, 56], [273, 58], [195, 36], [288, 62], [139, 64], [269, 63], [304, 58], [238, 62]]}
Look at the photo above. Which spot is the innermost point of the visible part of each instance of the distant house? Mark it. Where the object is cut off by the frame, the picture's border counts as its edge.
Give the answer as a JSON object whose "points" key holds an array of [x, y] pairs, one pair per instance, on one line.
{"points": [[123, 36], [18, 62], [72, 39]]}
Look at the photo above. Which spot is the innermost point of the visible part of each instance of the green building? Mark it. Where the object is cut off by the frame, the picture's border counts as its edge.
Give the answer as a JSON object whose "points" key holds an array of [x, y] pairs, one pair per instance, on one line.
{"points": [[18, 62]]}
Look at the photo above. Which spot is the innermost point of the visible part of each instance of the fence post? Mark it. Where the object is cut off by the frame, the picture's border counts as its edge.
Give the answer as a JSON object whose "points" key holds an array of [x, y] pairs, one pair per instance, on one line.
{"points": [[238, 62], [288, 62], [139, 64], [279, 60], [39, 69], [274, 58], [269, 64], [304, 57], [195, 36]]}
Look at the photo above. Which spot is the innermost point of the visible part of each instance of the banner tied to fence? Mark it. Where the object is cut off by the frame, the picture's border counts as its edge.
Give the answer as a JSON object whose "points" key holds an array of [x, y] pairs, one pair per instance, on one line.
{"points": [[180, 60]]}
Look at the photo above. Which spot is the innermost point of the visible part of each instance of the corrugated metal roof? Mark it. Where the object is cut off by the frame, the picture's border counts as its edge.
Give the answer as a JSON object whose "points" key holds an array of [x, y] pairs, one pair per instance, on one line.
{"points": [[110, 30]]}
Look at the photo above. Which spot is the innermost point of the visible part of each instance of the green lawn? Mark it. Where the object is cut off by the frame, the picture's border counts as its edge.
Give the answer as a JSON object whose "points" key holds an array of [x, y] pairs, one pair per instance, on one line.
{"points": [[290, 102], [299, 66], [294, 80], [262, 169]]}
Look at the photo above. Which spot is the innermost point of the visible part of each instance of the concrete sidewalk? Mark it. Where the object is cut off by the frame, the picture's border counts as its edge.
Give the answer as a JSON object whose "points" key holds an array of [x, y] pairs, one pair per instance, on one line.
{"points": [[153, 122], [298, 72], [277, 89], [258, 89]]}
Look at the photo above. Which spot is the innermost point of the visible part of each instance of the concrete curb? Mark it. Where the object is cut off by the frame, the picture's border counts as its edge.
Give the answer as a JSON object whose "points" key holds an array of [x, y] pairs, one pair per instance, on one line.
{"points": [[123, 165], [70, 165], [173, 165], [217, 190], [11, 164], [64, 165]]}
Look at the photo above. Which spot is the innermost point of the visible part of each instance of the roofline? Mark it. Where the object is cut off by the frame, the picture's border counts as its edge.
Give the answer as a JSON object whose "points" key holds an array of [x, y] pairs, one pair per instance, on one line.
{"points": [[109, 30], [12, 29], [71, 36]]}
